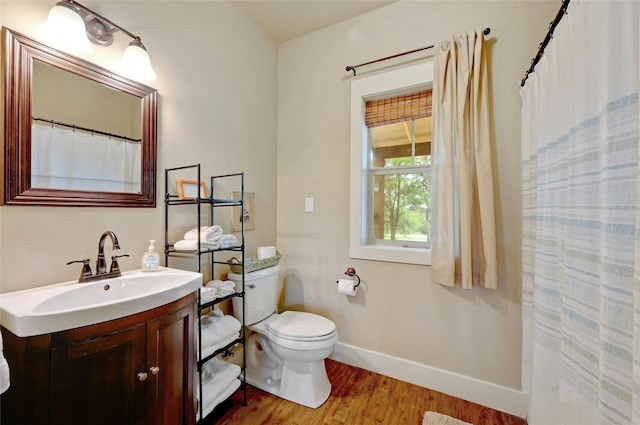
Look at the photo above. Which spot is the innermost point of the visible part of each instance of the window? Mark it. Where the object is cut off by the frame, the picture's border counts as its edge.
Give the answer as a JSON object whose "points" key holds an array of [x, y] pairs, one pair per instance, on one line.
{"points": [[390, 166], [399, 174]]}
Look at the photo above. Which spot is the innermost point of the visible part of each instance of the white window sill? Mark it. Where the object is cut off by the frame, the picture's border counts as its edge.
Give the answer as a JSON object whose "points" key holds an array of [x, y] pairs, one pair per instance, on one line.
{"points": [[420, 256]]}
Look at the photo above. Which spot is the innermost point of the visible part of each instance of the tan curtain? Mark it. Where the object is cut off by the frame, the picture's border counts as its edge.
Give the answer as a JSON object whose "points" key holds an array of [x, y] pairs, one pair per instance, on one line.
{"points": [[463, 216]]}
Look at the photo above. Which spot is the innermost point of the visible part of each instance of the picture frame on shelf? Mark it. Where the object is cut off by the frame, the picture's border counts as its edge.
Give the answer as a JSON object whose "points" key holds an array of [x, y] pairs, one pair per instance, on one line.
{"points": [[236, 219], [188, 189]]}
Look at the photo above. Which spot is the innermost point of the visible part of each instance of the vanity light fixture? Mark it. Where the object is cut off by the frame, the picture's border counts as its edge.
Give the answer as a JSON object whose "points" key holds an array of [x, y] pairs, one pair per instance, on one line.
{"points": [[76, 27]]}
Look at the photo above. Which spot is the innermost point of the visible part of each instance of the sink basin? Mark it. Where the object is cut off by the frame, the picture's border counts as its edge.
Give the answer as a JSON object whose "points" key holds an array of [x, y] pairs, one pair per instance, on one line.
{"points": [[71, 305]]}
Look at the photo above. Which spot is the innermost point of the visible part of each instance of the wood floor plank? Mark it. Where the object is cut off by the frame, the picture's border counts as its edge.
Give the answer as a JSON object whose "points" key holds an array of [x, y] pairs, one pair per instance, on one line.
{"points": [[359, 397]]}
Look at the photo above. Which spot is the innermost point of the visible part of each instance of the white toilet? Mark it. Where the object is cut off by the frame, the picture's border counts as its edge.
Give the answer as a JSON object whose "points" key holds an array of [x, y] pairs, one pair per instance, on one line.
{"points": [[285, 352]]}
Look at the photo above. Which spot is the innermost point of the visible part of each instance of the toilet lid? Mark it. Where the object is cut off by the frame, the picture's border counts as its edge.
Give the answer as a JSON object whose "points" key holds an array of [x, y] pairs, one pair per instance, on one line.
{"points": [[297, 324]]}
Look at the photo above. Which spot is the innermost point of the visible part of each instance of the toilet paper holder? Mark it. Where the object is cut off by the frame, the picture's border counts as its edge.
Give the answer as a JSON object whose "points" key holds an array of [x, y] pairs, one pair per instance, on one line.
{"points": [[352, 272]]}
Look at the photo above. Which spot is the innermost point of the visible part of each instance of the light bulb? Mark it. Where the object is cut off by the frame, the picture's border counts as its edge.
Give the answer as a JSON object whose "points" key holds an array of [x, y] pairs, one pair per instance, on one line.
{"points": [[65, 29], [136, 63]]}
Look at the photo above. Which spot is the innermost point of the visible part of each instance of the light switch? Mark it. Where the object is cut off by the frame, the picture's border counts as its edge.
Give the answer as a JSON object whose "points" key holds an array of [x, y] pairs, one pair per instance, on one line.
{"points": [[308, 204]]}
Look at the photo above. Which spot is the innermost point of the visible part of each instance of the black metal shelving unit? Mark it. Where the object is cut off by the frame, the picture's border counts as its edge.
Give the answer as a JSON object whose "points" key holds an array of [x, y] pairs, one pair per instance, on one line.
{"points": [[172, 200]]}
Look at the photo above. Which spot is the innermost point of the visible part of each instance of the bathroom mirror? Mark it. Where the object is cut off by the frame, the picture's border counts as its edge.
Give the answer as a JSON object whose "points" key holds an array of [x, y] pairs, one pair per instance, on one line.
{"points": [[75, 134]]}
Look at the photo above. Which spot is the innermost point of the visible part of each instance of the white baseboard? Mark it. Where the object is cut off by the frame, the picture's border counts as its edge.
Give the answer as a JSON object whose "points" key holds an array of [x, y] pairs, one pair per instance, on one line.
{"points": [[474, 390]]}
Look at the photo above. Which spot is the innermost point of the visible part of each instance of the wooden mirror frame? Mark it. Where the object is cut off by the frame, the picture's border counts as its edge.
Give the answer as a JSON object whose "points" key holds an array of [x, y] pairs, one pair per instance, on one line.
{"points": [[18, 55]]}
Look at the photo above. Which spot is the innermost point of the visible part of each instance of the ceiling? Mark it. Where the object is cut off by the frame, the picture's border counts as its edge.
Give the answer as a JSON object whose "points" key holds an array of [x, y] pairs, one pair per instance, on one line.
{"points": [[284, 20]]}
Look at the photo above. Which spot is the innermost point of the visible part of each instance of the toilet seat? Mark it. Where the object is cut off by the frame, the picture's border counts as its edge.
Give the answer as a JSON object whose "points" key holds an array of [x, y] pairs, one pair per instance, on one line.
{"points": [[301, 326]]}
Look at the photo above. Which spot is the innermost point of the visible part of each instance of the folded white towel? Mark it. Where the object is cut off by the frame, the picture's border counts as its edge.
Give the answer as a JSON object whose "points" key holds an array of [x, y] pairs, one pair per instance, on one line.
{"points": [[207, 351], [210, 404], [207, 234], [218, 330], [4, 370], [191, 245], [218, 378], [208, 294], [220, 372], [227, 241]]}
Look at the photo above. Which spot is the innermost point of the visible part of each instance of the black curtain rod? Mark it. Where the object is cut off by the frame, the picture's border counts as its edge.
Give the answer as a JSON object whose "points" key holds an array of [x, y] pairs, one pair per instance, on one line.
{"points": [[486, 31], [547, 39], [91, 130]]}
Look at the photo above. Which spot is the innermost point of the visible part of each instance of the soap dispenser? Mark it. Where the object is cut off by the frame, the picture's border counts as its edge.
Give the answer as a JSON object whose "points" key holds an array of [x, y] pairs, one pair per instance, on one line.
{"points": [[150, 259]]}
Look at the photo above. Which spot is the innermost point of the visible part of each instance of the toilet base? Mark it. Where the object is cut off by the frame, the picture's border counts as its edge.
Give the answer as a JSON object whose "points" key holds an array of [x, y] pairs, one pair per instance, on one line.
{"points": [[304, 383]]}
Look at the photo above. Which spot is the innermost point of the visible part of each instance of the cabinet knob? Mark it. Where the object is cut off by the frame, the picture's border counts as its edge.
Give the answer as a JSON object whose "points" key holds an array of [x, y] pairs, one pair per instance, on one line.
{"points": [[142, 376], [154, 370]]}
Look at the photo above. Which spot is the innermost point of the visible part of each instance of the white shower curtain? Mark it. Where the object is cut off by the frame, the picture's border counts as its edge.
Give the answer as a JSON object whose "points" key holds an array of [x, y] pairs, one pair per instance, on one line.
{"points": [[62, 158], [581, 221]]}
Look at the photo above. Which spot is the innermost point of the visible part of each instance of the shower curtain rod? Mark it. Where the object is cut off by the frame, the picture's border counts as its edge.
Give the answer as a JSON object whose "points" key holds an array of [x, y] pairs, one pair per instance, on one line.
{"points": [[486, 31], [91, 130], [547, 39]]}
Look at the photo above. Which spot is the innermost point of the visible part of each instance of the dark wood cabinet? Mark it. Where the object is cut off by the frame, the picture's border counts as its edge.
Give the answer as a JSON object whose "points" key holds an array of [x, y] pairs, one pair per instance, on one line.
{"points": [[136, 370]]}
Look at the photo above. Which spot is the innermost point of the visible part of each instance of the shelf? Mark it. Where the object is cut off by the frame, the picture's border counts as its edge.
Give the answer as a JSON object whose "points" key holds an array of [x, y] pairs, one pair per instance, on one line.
{"points": [[174, 200], [215, 301], [171, 250], [212, 202], [220, 350]]}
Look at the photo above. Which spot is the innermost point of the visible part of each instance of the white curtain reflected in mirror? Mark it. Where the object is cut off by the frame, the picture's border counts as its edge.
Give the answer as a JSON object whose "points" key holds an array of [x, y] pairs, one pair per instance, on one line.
{"points": [[70, 159], [84, 135]]}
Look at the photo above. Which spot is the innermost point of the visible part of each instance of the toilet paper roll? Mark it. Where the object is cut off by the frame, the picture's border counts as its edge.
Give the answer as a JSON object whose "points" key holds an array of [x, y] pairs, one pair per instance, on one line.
{"points": [[266, 252], [346, 287]]}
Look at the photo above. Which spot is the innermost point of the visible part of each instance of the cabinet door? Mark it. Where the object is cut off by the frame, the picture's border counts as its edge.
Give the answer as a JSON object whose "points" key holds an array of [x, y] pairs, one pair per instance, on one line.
{"points": [[170, 361], [96, 382]]}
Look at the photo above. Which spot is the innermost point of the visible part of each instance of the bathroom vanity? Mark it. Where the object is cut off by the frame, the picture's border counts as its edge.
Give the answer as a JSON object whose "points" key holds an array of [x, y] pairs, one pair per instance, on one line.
{"points": [[135, 369]]}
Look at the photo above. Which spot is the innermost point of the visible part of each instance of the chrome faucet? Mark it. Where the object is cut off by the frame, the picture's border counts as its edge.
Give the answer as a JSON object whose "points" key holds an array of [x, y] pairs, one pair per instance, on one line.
{"points": [[101, 263]]}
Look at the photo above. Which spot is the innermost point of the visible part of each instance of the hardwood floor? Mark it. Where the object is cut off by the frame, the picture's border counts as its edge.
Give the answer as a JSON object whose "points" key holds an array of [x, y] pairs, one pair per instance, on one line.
{"points": [[359, 397]]}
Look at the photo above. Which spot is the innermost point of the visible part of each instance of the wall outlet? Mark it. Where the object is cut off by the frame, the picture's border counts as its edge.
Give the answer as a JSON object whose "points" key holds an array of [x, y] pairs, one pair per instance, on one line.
{"points": [[308, 204]]}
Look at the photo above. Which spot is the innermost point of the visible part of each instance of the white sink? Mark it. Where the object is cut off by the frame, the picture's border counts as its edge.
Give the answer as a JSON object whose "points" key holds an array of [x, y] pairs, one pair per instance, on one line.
{"points": [[71, 305]]}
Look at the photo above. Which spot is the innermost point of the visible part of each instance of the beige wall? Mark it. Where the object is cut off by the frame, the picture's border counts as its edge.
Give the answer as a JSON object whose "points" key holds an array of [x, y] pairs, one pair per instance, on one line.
{"points": [[59, 95], [217, 87], [400, 312]]}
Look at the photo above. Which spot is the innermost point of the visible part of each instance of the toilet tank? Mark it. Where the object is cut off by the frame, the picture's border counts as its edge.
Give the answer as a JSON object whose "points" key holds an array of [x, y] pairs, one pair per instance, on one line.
{"points": [[261, 294]]}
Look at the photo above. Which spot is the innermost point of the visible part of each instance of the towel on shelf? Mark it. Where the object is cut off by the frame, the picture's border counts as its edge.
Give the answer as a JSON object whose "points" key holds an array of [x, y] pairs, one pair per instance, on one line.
{"points": [[222, 288], [220, 373], [207, 234], [218, 330], [208, 350], [218, 377], [210, 404], [4, 370], [191, 245], [227, 241], [208, 294]]}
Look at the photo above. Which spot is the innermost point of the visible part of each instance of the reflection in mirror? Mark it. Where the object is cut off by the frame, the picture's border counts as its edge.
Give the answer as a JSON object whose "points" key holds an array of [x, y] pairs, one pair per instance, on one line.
{"points": [[75, 133], [78, 143]]}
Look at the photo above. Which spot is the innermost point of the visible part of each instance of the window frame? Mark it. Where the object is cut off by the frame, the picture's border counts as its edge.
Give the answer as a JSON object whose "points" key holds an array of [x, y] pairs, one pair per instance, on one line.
{"points": [[393, 83]]}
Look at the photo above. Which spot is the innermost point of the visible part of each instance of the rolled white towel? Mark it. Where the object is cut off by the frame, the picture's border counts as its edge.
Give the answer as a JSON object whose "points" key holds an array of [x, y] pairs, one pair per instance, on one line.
{"points": [[4, 370], [223, 288], [191, 245], [207, 234], [227, 241]]}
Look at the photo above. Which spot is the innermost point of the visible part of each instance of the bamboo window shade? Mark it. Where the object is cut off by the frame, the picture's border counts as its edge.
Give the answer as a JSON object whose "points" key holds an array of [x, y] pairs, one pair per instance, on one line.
{"points": [[398, 109]]}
